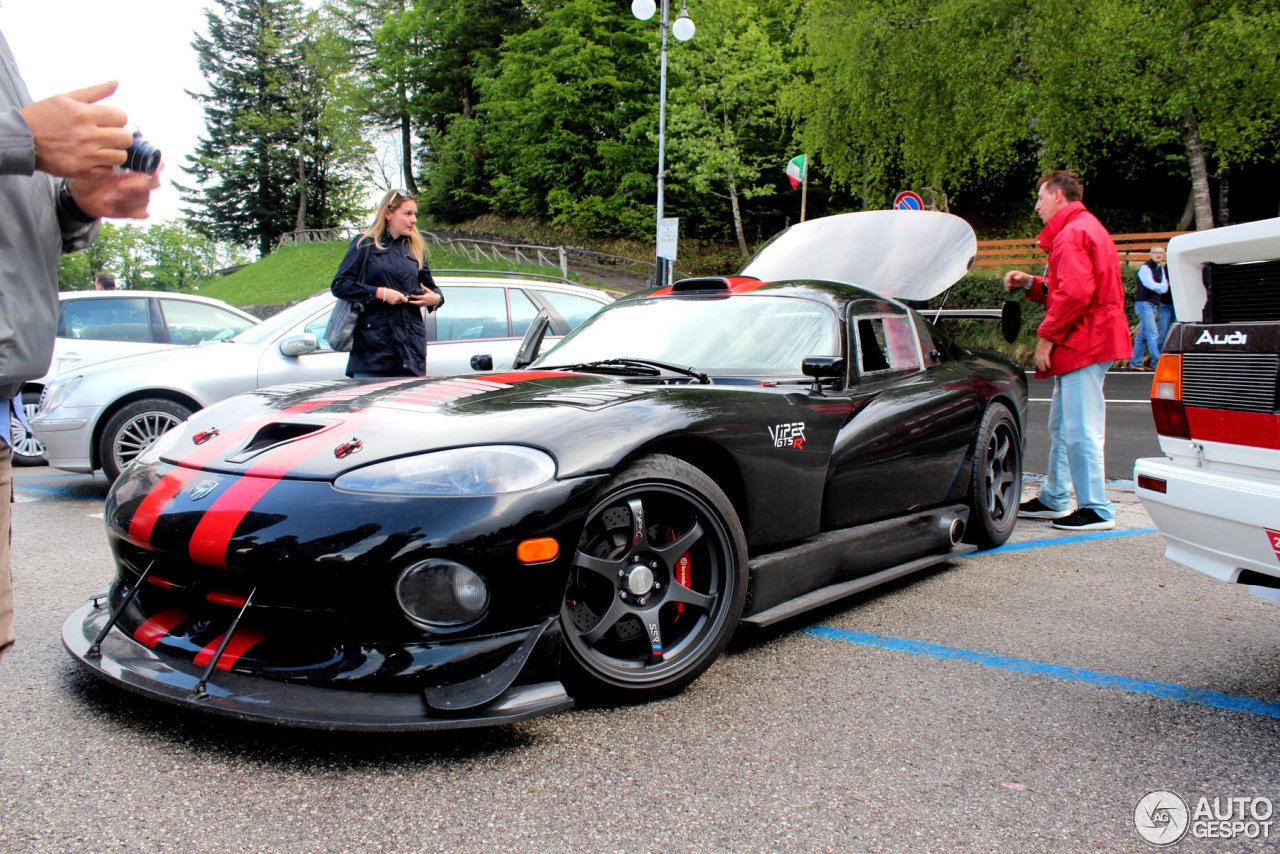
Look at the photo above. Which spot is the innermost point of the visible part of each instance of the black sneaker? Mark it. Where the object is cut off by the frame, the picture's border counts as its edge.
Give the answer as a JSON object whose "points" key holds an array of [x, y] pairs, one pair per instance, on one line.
{"points": [[1035, 509], [1084, 519]]}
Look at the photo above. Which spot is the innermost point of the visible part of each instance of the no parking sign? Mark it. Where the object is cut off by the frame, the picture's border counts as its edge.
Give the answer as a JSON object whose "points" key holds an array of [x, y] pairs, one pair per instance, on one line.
{"points": [[908, 201]]}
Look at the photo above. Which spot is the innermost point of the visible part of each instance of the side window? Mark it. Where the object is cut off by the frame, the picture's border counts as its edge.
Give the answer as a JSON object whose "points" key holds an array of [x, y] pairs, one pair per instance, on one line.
{"points": [[523, 311], [473, 313], [194, 323], [573, 308], [886, 343], [317, 328], [107, 319]]}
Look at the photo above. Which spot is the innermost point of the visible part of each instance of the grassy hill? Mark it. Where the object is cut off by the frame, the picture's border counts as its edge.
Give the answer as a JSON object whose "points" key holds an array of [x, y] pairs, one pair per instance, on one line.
{"points": [[293, 272]]}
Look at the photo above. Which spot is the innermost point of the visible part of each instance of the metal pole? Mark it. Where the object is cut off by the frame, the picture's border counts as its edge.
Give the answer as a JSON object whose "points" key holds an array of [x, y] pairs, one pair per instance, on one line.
{"points": [[660, 266]]}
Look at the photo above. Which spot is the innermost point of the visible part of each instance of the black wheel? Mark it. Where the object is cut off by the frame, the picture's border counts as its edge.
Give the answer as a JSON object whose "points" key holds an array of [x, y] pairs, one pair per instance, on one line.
{"points": [[657, 586], [996, 488], [132, 430], [27, 449]]}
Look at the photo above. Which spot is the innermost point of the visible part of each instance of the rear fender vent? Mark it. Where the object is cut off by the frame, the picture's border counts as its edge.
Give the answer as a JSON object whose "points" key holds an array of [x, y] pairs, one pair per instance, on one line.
{"points": [[271, 436], [1242, 292]]}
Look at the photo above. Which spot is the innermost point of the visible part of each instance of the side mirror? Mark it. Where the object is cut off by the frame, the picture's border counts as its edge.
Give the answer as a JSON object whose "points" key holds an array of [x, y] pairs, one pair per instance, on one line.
{"points": [[822, 367], [298, 345], [482, 362], [532, 340], [1011, 320]]}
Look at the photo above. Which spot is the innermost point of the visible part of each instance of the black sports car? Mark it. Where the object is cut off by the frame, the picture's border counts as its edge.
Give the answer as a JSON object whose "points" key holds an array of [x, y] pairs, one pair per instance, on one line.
{"points": [[431, 554]]}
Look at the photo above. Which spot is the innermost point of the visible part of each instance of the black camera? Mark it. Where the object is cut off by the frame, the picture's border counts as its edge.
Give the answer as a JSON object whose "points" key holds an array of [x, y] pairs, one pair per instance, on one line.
{"points": [[141, 156]]}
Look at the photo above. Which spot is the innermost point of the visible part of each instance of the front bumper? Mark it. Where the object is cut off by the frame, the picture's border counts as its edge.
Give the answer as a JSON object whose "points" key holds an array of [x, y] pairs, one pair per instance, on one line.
{"points": [[66, 438], [1219, 521], [129, 664]]}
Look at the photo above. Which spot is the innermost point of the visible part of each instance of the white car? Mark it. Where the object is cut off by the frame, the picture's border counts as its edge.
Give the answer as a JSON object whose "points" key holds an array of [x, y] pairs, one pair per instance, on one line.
{"points": [[1215, 494], [94, 326], [104, 416]]}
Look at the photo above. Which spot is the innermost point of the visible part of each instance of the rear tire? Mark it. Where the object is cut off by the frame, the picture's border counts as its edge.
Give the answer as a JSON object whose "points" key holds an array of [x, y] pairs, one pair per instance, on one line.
{"points": [[27, 449], [995, 489], [132, 430], [658, 584]]}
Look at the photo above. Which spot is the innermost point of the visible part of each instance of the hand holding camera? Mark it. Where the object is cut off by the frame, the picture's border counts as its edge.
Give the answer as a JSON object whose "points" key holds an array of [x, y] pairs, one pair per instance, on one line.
{"points": [[110, 169]]}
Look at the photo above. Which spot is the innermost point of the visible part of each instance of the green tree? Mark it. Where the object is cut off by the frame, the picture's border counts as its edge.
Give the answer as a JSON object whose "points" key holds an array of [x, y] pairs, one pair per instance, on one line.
{"points": [[567, 119], [724, 133], [265, 164]]}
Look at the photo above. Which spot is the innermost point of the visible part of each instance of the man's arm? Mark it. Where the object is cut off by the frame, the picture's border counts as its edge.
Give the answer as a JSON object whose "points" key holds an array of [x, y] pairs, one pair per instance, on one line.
{"points": [[1148, 281]]}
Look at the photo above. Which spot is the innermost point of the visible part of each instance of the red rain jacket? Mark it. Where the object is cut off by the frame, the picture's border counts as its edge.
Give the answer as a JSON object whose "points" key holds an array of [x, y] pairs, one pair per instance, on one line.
{"points": [[1083, 293]]}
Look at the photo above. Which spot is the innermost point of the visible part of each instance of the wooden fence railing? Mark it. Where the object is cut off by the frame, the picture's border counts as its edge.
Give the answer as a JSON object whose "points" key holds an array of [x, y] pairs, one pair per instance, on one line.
{"points": [[1024, 253]]}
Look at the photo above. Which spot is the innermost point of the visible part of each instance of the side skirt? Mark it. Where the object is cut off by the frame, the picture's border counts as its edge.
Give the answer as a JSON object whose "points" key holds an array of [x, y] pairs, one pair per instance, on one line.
{"points": [[837, 564]]}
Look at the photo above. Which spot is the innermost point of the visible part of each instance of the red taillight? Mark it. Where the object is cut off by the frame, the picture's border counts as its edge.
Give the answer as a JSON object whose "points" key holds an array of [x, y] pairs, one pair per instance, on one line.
{"points": [[1154, 484], [1166, 398]]}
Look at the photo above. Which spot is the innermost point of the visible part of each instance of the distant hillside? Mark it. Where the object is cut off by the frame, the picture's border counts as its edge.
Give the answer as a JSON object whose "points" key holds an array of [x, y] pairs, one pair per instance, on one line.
{"points": [[293, 272]]}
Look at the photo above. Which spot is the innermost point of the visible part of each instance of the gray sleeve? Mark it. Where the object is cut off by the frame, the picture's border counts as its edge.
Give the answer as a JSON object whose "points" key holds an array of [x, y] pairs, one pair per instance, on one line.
{"points": [[17, 148]]}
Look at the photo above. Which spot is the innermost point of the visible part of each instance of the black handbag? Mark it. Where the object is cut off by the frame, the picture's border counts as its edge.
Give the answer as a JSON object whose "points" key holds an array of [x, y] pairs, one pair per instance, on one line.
{"points": [[341, 329]]}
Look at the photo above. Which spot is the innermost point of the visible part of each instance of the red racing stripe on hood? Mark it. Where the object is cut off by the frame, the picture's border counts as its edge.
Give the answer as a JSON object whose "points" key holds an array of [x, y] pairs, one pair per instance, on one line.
{"points": [[154, 630], [154, 502]]}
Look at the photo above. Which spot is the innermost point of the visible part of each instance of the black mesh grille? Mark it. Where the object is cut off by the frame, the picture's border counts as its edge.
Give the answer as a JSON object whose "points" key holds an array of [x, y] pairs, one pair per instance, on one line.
{"points": [[1243, 382], [1241, 292]]}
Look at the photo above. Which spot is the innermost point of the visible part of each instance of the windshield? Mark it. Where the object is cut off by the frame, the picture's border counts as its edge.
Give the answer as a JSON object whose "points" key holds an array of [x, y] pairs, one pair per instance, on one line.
{"points": [[277, 323], [742, 335]]}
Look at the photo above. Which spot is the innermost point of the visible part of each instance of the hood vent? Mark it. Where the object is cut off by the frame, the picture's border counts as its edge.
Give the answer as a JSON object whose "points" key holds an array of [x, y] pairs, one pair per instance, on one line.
{"points": [[271, 436]]}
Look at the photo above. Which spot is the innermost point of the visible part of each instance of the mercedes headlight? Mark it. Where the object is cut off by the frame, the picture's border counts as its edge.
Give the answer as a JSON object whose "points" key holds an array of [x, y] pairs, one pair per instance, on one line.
{"points": [[486, 470], [59, 391]]}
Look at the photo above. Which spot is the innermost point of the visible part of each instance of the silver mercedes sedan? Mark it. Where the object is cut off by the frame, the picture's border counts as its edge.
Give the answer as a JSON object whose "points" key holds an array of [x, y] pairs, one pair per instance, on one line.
{"points": [[103, 416]]}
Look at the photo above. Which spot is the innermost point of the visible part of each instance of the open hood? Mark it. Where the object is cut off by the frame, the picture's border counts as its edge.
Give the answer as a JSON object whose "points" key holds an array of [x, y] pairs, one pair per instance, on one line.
{"points": [[902, 254]]}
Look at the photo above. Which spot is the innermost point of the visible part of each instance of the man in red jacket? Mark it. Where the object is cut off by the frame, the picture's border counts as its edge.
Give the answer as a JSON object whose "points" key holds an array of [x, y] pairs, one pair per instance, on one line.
{"points": [[1084, 330]]}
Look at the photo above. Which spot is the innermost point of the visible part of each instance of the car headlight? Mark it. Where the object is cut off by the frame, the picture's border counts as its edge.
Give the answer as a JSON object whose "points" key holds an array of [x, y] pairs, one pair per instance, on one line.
{"points": [[441, 594], [58, 392], [487, 470]]}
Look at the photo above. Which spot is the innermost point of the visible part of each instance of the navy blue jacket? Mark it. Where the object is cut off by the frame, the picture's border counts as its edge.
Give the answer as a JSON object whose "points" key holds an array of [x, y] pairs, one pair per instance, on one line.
{"points": [[390, 340]]}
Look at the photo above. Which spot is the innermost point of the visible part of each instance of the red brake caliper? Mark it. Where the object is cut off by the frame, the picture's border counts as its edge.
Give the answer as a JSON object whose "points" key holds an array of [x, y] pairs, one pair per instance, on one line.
{"points": [[684, 574]]}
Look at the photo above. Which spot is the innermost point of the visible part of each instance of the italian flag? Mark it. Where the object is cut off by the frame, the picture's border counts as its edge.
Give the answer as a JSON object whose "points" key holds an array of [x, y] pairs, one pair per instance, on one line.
{"points": [[795, 170]]}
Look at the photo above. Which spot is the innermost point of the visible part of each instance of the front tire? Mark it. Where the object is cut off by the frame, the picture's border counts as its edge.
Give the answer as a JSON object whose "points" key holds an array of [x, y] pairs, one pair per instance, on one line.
{"points": [[27, 449], [657, 586], [132, 430], [996, 487]]}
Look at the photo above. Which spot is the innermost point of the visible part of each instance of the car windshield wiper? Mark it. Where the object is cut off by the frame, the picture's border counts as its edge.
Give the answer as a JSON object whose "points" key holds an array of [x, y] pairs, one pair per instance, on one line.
{"points": [[630, 365]]}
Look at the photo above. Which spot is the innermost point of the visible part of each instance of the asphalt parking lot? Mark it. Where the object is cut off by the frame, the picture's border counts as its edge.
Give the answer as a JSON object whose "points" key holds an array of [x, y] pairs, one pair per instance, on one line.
{"points": [[1023, 699]]}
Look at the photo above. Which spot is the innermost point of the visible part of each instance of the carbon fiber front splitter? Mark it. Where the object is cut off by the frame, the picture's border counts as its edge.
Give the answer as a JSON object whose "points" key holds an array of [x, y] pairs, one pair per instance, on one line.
{"points": [[129, 664]]}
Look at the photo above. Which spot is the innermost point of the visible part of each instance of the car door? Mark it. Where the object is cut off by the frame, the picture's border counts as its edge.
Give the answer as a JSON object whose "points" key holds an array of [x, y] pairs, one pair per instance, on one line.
{"points": [[96, 329], [322, 363], [915, 418], [475, 319]]}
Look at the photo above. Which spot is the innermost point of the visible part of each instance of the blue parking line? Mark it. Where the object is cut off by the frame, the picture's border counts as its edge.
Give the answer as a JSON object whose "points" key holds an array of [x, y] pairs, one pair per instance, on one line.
{"points": [[1163, 690], [1065, 540], [27, 486]]}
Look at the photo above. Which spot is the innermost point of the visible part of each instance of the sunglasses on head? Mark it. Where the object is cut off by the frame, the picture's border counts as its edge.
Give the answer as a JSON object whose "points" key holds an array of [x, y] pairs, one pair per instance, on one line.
{"points": [[396, 195]]}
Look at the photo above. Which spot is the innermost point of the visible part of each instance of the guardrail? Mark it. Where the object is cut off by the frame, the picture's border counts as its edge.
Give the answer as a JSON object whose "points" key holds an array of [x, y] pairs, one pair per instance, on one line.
{"points": [[620, 270], [1023, 252]]}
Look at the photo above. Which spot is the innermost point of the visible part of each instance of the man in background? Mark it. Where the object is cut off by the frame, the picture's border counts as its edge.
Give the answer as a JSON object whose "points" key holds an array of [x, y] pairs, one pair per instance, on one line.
{"points": [[58, 176], [104, 282], [1153, 303], [1085, 329]]}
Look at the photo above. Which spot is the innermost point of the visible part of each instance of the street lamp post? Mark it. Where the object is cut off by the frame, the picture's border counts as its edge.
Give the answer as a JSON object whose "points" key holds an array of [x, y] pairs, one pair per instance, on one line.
{"points": [[683, 30]]}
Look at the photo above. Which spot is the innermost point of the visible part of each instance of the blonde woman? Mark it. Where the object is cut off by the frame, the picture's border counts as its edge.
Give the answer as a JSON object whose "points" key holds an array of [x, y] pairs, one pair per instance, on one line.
{"points": [[385, 269]]}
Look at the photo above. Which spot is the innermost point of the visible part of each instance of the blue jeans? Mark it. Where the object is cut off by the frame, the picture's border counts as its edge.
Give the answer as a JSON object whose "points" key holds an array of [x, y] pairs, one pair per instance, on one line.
{"points": [[1165, 321], [1149, 338], [1077, 434]]}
